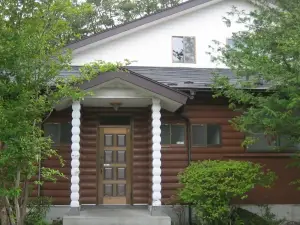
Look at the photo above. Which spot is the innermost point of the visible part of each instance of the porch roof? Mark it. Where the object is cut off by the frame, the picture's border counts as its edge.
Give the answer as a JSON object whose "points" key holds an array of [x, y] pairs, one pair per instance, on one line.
{"points": [[140, 81], [128, 89]]}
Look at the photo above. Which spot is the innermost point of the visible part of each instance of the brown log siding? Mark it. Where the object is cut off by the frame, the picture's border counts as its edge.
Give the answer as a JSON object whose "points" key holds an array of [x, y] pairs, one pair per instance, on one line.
{"points": [[140, 161], [174, 157], [59, 191], [281, 193]]}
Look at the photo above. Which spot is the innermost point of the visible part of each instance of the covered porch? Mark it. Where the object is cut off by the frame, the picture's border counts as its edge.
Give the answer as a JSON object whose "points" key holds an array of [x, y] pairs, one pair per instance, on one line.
{"points": [[116, 141]]}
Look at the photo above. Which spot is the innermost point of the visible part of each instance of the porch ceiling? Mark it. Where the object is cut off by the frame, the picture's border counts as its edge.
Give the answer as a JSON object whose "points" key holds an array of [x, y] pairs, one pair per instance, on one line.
{"points": [[130, 90]]}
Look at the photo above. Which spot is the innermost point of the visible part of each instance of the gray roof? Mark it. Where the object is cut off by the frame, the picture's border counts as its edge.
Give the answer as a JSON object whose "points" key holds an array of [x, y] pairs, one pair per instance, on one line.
{"points": [[181, 77], [136, 23], [175, 77]]}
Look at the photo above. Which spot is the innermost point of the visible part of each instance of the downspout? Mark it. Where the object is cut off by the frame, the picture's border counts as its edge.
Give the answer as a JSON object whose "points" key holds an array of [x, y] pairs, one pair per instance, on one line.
{"points": [[189, 144]]}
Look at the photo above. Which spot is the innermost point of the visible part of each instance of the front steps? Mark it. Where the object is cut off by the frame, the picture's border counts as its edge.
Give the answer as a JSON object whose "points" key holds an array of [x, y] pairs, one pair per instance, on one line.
{"points": [[116, 216]]}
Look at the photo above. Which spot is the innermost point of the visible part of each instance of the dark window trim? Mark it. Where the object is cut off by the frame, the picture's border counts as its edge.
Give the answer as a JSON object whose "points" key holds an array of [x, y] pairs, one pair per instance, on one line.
{"points": [[206, 145], [175, 145], [59, 134], [265, 148], [271, 149], [178, 36]]}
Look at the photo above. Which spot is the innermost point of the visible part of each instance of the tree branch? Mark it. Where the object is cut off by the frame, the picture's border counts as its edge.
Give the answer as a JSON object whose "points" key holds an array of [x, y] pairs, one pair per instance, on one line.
{"points": [[25, 201], [16, 199], [49, 114], [9, 211]]}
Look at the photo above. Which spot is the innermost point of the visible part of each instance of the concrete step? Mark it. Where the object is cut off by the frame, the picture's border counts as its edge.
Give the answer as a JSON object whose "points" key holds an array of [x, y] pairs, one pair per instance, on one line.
{"points": [[126, 216]]}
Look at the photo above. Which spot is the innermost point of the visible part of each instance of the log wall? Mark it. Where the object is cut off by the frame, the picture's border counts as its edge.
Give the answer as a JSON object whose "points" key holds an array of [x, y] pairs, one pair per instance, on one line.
{"points": [[174, 157], [59, 191], [281, 193], [174, 160]]}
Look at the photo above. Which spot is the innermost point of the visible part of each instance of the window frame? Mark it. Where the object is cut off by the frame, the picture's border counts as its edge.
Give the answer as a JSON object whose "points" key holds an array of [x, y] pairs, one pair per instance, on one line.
{"points": [[185, 132], [59, 134], [180, 36], [206, 145], [227, 40], [272, 148]]}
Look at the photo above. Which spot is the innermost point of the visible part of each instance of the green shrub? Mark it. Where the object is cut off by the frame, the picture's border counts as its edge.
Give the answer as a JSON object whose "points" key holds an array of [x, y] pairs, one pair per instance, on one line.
{"points": [[209, 186], [246, 217], [37, 210]]}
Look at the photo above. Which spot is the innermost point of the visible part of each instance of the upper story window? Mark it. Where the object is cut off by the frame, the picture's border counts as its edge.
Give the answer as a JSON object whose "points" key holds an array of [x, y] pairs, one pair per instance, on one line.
{"points": [[172, 134], [60, 133], [204, 135], [230, 42], [183, 49]]}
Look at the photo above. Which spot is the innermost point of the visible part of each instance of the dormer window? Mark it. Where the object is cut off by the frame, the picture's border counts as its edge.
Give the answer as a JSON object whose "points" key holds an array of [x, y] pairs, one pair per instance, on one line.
{"points": [[183, 49]]}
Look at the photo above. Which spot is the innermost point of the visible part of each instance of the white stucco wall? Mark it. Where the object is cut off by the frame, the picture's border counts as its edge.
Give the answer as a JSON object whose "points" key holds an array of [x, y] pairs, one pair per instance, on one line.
{"points": [[152, 46]]}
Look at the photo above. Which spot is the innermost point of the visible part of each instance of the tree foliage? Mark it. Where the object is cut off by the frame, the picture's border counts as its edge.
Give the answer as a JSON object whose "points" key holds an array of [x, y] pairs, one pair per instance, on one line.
{"points": [[32, 36], [210, 186], [106, 14], [32, 39], [265, 59]]}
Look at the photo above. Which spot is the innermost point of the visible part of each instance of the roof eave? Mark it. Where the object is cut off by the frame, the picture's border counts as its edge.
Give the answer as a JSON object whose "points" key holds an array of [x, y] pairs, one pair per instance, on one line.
{"points": [[137, 23]]}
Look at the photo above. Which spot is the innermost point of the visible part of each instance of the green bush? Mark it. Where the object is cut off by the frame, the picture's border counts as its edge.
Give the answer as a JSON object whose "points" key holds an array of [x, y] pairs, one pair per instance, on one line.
{"points": [[37, 210], [266, 217], [209, 186]]}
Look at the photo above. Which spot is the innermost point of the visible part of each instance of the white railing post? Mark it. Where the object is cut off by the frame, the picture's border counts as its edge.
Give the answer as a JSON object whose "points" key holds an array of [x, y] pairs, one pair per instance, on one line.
{"points": [[156, 153], [75, 163]]}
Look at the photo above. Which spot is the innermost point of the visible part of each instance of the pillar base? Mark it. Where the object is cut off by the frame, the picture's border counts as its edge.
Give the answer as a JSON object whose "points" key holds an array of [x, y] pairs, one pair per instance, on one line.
{"points": [[156, 210], [74, 211]]}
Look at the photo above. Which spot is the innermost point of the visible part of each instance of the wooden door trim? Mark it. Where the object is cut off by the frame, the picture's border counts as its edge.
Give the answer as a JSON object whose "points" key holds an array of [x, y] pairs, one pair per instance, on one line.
{"points": [[115, 126], [129, 140]]}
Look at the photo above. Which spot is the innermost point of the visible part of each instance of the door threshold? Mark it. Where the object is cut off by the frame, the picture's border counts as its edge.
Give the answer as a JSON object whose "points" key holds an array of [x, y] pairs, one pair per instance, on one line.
{"points": [[84, 207]]}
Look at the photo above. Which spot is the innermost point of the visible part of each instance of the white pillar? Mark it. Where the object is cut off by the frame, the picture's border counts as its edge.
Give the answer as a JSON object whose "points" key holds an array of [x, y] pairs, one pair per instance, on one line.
{"points": [[156, 153], [75, 158]]}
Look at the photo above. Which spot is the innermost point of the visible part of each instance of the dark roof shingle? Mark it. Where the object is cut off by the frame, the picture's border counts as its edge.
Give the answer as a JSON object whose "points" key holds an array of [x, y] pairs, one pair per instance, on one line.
{"points": [[181, 77], [175, 77]]}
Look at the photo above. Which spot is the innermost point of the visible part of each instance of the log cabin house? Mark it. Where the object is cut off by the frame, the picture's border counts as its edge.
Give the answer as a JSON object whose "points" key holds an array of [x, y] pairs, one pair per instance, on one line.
{"points": [[126, 144]]}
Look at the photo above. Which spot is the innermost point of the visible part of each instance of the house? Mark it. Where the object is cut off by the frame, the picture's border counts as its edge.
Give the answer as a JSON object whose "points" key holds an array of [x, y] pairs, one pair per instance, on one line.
{"points": [[126, 144]]}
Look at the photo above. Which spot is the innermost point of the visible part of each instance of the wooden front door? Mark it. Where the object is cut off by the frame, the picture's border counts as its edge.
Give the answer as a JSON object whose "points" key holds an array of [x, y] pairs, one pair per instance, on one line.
{"points": [[114, 186]]}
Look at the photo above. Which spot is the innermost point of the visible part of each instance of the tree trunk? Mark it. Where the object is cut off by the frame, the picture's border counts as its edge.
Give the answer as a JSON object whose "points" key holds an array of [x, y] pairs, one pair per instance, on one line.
{"points": [[24, 203], [9, 212], [16, 199], [3, 216]]}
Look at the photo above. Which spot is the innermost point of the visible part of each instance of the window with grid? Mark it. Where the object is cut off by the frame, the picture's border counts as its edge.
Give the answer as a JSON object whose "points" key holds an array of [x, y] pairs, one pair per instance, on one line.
{"points": [[206, 135], [267, 143], [172, 134], [60, 133], [230, 42], [183, 49]]}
